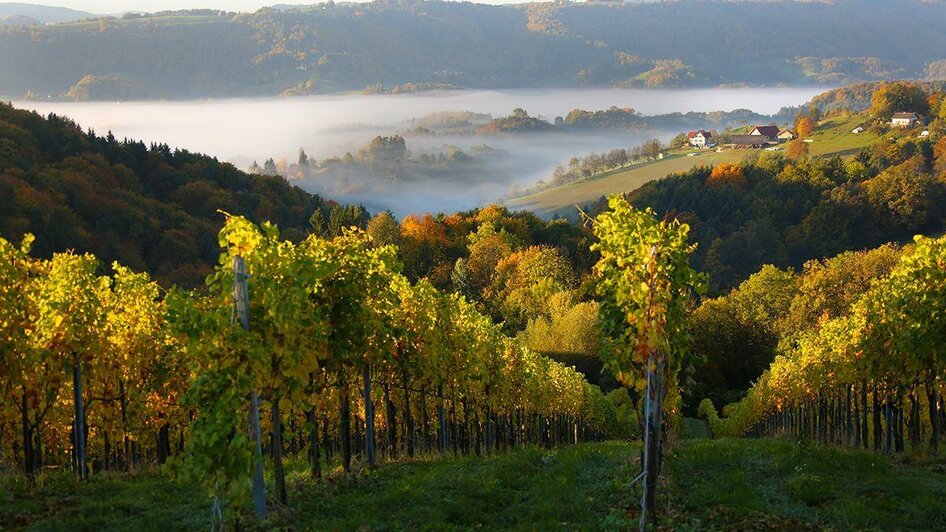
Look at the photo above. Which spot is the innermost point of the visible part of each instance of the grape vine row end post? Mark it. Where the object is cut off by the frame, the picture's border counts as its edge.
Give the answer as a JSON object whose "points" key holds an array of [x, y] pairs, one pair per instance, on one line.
{"points": [[241, 302]]}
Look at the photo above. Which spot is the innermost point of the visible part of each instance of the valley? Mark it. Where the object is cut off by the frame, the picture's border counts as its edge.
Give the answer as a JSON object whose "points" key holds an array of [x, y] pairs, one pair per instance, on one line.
{"points": [[242, 131], [424, 265]]}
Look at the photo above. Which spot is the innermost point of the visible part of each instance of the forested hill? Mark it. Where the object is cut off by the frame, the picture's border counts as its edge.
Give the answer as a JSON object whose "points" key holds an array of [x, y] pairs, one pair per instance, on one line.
{"points": [[149, 208], [413, 44]]}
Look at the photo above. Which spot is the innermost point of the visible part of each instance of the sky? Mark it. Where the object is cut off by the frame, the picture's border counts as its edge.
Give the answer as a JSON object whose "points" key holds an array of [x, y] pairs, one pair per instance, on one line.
{"points": [[120, 6]]}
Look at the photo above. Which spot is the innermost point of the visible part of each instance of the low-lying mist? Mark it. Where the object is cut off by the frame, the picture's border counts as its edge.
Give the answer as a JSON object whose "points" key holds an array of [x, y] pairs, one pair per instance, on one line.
{"points": [[242, 131]]}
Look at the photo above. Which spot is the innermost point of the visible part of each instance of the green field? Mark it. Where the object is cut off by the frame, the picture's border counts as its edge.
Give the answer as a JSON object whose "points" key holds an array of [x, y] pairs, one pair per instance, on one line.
{"points": [[563, 198], [833, 137], [707, 485]]}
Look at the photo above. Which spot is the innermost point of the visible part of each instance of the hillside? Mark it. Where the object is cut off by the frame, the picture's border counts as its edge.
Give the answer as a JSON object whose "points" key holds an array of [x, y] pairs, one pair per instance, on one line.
{"points": [[833, 137], [150, 208], [351, 46], [856, 191]]}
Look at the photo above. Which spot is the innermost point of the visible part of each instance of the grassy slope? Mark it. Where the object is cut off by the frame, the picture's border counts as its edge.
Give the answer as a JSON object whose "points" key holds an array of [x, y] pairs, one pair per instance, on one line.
{"points": [[778, 485], [564, 197], [833, 137], [709, 485]]}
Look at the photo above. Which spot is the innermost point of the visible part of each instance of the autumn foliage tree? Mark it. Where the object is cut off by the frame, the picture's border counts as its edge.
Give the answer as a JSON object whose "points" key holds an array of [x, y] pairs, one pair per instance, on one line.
{"points": [[797, 149], [896, 97], [939, 154], [727, 174], [804, 126]]}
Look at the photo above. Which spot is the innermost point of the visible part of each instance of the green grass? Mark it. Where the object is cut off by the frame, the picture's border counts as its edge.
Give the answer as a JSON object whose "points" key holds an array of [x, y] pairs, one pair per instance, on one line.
{"points": [[778, 485], [565, 197], [573, 488], [695, 428], [143, 502], [563, 489], [832, 137], [707, 485]]}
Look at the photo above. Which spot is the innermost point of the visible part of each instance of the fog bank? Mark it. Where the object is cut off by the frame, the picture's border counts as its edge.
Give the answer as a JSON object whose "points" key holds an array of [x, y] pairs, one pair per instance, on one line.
{"points": [[245, 130]]}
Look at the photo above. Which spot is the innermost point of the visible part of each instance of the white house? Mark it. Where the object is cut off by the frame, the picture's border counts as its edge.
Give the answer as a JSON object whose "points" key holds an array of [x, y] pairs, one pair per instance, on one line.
{"points": [[786, 135], [699, 139], [858, 129], [925, 133], [904, 120]]}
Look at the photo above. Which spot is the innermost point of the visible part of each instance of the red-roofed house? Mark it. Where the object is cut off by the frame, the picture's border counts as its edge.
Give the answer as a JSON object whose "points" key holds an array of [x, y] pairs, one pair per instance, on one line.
{"points": [[699, 139], [769, 132]]}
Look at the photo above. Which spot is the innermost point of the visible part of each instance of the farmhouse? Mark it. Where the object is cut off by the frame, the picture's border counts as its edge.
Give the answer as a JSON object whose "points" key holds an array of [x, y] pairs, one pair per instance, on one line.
{"points": [[699, 139], [767, 132], [786, 135], [904, 120]]}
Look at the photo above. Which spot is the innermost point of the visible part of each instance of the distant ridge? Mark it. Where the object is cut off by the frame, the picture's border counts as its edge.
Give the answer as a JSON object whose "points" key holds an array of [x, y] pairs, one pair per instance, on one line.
{"points": [[349, 46], [20, 14], [20, 20]]}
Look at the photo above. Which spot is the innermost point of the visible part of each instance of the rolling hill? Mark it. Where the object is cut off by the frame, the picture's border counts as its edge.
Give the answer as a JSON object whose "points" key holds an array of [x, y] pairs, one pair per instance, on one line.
{"points": [[833, 137], [149, 207], [350, 46]]}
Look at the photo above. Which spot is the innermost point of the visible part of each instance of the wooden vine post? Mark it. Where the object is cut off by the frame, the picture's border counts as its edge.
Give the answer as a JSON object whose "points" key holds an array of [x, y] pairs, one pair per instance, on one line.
{"points": [[369, 418], [241, 304]]}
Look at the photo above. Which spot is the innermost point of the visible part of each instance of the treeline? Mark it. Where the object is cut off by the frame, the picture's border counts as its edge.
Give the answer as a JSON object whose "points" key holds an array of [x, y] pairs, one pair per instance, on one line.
{"points": [[519, 121], [868, 370], [149, 207], [323, 345], [858, 96], [384, 157], [530, 275], [419, 44]]}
